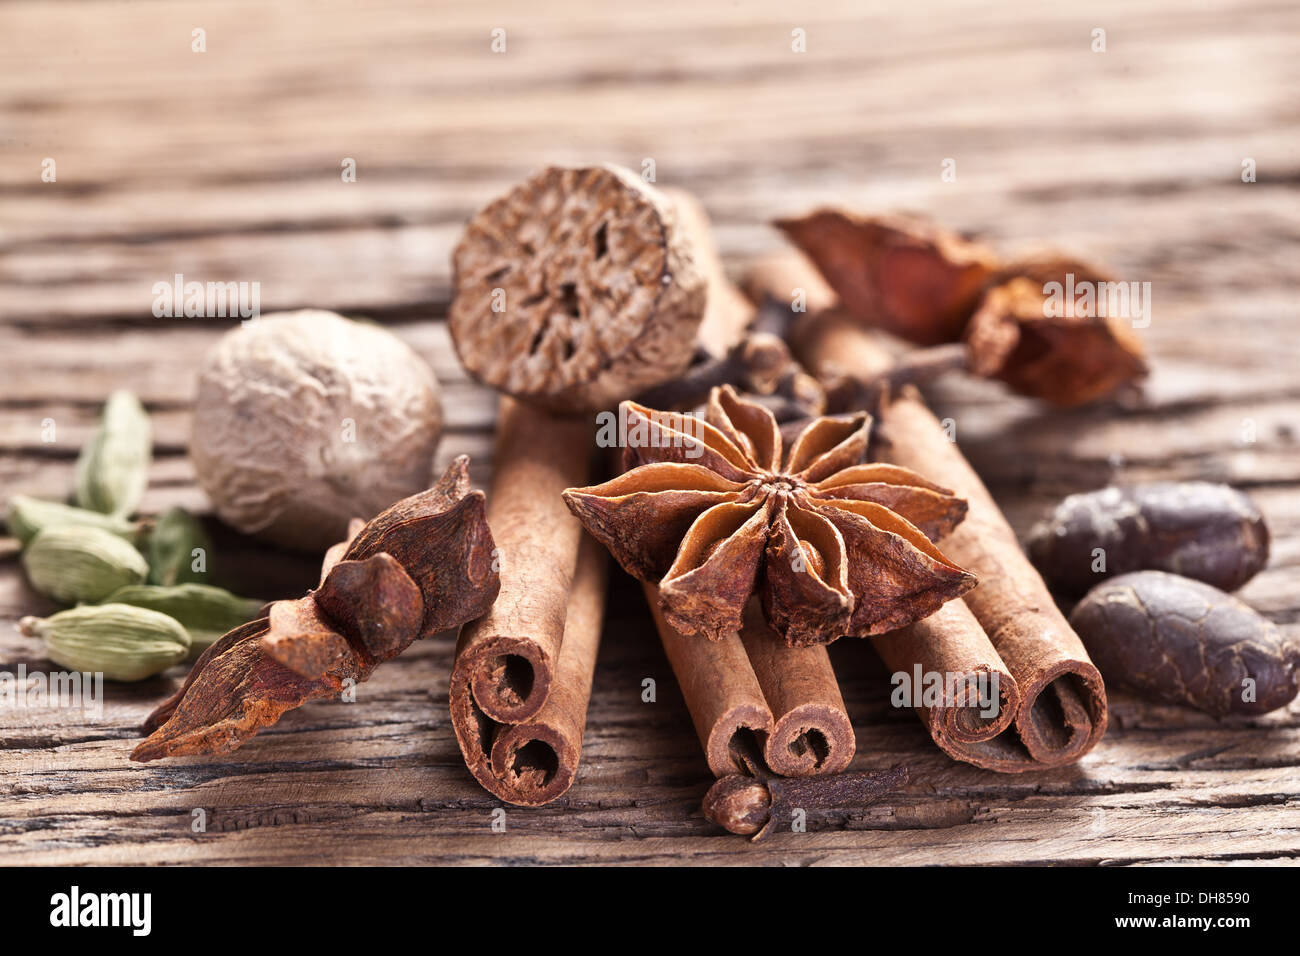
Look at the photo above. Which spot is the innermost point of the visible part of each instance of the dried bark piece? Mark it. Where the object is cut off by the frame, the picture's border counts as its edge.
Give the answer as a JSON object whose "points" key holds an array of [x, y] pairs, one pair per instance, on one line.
{"points": [[722, 693], [535, 761], [1012, 604], [966, 721], [576, 289], [1184, 642], [811, 731], [1198, 529], [1069, 356], [380, 595], [827, 557], [907, 276], [1013, 627], [510, 653], [758, 705]]}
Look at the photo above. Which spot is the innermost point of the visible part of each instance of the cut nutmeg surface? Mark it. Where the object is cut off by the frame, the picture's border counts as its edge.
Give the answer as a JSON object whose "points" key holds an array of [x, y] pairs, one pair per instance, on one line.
{"points": [[576, 289], [715, 510]]}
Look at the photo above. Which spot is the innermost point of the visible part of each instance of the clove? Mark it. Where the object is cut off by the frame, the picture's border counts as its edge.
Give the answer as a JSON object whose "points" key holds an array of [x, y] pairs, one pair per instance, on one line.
{"points": [[755, 805]]}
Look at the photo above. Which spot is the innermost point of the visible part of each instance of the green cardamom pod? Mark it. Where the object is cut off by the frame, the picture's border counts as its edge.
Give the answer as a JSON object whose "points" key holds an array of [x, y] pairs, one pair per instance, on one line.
{"points": [[178, 549], [72, 563], [117, 640], [206, 612], [113, 467], [28, 516]]}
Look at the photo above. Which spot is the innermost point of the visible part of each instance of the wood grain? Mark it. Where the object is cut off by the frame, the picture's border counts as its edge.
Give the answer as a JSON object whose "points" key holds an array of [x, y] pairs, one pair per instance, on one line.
{"points": [[224, 166]]}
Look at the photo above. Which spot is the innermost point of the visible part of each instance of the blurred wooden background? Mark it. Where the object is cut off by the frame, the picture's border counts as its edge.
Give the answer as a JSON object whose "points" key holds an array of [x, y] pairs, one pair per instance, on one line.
{"points": [[225, 166]]}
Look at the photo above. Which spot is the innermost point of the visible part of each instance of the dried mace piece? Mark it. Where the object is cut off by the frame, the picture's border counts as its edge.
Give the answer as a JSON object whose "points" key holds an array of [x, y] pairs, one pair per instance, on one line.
{"points": [[1046, 342], [576, 289], [1198, 529], [420, 567], [1068, 343], [715, 510], [904, 275], [1184, 642]]}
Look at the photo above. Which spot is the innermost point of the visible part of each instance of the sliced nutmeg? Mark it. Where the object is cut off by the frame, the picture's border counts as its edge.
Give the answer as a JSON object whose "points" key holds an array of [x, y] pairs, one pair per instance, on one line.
{"points": [[898, 273], [1053, 345], [576, 289]]}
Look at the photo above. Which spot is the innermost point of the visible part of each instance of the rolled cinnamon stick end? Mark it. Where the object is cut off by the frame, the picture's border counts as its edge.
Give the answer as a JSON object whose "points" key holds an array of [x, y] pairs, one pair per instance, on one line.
{"points": [[722, 694], [535, 762], [508, 657], [812, 733], [978, 698], [1063, 712]]}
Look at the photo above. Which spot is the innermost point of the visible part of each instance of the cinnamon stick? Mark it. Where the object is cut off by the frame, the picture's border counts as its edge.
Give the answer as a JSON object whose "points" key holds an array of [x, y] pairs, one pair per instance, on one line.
{"points": [[1062, 712], [1010, 625], [535, 761], [751, 684], [722, 694], [812, 733], [510, 662], [751, 681], [978, 698]]}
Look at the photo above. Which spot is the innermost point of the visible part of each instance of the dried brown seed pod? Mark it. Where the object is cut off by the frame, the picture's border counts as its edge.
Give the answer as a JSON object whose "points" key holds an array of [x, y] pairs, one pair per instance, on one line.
{"points": [[717, 509], [576, 289], [305, 420], [1184, 642], [905, 275], [1068, 355], [422, 566]]}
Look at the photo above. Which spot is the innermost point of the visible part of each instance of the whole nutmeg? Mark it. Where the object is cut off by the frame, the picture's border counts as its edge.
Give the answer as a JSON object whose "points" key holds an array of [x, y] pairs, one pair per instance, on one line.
{"points": [[306, 419]]}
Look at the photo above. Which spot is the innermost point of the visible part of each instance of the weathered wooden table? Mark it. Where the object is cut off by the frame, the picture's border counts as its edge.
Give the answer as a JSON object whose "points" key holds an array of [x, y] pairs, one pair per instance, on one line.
{"points": [[224, 165]]}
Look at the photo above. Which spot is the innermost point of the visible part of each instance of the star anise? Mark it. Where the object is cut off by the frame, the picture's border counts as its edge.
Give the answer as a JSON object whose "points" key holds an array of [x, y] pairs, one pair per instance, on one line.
{"points": [[713, 510]]}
